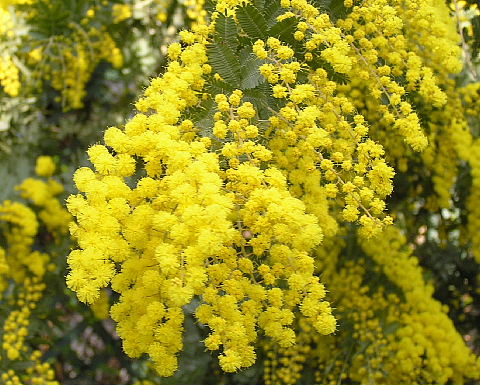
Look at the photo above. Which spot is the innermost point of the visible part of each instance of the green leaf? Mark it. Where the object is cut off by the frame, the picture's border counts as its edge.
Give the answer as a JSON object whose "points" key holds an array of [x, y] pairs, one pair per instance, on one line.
{"points": [[251, 76], [219, 87], [322, 5], [476, 34], [203, 117], [259, 4], [209, 6], [226, 30], [284, 30], [337, 9], [272, 11], [252, 22], [261, 97], [391, 328], [224, 62], [203, 114]]}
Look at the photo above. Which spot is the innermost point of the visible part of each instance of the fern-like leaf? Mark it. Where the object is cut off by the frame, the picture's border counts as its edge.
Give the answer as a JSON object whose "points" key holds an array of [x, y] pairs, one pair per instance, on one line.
{"points": [[226, 30], [252, 22], [284, 31], [251, 76], [224, 62]]}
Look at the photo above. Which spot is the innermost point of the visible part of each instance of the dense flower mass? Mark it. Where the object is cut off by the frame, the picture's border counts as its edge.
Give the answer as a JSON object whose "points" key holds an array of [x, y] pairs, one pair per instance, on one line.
{"points": [[235, 238], [249, 192]]}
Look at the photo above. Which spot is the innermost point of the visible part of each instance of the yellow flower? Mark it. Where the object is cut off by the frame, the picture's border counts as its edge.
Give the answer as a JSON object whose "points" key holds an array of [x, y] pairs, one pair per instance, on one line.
{"points": [[45, 166]]}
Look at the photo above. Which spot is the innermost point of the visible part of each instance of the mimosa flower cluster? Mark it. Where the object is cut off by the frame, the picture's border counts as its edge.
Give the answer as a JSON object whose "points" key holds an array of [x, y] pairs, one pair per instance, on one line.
{"points": [[234, 238], [236, 194]]}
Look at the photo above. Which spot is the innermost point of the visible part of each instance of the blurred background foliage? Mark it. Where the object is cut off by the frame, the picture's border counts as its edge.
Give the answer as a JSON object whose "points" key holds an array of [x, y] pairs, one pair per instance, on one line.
{"points": [[442, 249], [71, 68]]}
